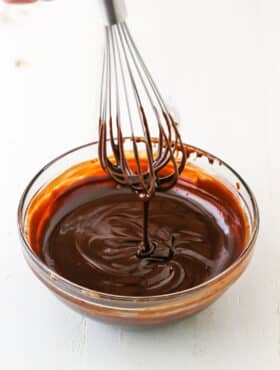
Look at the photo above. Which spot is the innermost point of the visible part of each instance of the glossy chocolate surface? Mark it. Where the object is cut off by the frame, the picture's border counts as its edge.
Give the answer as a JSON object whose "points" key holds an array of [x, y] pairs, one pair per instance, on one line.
{"points": [[88, 229]]}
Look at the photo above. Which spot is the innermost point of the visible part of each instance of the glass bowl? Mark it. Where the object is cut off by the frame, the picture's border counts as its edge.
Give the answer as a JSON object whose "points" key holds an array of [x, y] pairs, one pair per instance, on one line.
{"points": [[139, 310]]}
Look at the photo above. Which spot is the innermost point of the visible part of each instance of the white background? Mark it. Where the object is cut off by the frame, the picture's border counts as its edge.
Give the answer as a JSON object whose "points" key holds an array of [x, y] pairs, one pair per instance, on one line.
{"points": [[218, 65]]}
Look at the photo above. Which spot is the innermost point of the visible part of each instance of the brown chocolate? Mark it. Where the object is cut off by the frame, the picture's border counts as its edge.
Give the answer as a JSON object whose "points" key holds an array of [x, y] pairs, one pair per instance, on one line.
{"points": [[88, 229]]}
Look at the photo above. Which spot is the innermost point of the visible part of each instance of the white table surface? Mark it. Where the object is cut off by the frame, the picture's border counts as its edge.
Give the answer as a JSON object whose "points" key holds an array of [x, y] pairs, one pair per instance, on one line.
{"points": [[218, 63]]}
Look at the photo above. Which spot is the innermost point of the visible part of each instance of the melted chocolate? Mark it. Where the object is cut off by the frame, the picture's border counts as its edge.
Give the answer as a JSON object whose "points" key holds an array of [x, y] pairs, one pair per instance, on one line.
{"points": [[89, 231]]}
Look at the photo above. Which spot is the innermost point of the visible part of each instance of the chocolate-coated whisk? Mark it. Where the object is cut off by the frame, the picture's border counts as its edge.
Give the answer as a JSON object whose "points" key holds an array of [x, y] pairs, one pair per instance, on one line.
{"points": [[131, 106]]}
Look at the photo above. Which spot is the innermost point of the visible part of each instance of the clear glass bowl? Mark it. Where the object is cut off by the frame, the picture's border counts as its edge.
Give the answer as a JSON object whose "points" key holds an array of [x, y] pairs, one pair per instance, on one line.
{"points": [[139, 310]]}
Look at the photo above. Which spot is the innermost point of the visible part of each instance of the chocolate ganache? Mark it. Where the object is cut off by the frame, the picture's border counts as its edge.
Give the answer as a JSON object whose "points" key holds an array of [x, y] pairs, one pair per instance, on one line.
{"points": [[88, 229]]}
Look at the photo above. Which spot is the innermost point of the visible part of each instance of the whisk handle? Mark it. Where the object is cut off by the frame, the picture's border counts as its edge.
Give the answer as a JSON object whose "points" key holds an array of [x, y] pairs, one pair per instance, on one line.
{"points": [[114, 11]]}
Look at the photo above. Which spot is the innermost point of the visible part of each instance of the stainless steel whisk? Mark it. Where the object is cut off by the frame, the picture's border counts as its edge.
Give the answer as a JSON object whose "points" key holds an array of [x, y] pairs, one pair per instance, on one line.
{"points": [[139, 143]]}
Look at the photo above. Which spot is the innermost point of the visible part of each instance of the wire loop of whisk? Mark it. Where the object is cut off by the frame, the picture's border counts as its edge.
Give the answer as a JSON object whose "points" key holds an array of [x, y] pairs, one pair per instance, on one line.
{"points": [[132, 106]]}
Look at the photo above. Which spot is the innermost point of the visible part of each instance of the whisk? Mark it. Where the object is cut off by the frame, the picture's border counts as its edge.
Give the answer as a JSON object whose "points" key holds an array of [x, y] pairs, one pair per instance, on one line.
{"points": [[139, 142]]}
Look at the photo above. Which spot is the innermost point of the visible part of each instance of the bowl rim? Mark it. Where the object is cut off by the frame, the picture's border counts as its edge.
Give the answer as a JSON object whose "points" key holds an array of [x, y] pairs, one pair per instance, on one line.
{"points": [[94, 294]]}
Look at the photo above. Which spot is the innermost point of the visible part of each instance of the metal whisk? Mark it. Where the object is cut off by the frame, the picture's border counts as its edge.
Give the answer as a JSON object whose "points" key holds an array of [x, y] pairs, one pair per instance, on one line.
{"points": [[139, 143]]}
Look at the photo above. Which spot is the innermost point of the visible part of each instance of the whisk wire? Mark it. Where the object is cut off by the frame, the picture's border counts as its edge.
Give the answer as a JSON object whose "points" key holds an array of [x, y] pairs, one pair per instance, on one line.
{"points": [[147, 139], [154, 89], [123, 163], [122, 99]]}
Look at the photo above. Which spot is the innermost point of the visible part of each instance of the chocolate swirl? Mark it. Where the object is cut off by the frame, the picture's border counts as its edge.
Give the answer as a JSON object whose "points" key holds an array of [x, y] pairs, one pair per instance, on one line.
{"points": [[95, 243]]}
